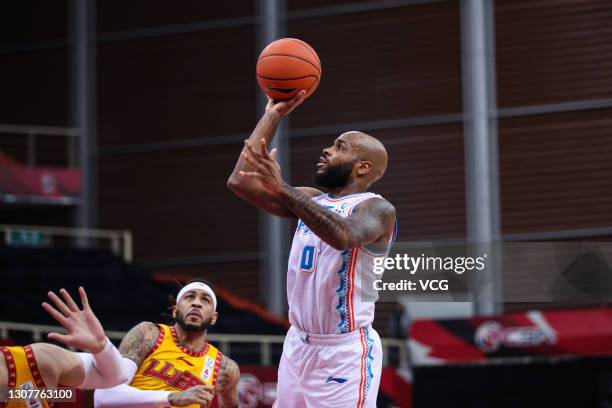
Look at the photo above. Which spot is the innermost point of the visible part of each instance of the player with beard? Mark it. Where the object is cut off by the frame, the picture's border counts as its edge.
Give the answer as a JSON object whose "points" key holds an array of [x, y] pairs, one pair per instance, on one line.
{"points": [[332, 357], [176, 365]]}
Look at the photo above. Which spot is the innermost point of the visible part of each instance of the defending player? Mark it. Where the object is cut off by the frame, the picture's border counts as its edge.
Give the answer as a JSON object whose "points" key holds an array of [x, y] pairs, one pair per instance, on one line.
{"points": [[331, 357], [175, 364], [43, 366]]}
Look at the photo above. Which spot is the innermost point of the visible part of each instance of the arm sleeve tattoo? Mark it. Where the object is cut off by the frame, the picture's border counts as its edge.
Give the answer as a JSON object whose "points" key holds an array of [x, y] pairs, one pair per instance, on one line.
{"points": [[227, 383], [372, 219], [139, 341]]}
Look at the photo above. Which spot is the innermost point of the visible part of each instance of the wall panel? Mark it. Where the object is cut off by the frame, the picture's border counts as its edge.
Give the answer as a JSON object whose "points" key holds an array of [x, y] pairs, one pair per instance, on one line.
{"points": [[377, 65], [553, 51], [555, 171], [176, 87], [176, 203]]}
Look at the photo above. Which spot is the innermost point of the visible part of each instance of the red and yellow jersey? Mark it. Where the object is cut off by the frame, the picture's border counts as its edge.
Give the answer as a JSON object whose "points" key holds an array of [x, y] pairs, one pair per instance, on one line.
{"points": [[23, 374], [171, 367]]}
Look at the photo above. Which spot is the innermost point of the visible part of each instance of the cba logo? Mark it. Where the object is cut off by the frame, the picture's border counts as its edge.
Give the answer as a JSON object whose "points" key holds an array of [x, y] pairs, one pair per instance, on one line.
{"points": [[252, 392], [48, 183], [249, 391], [489, 336]]}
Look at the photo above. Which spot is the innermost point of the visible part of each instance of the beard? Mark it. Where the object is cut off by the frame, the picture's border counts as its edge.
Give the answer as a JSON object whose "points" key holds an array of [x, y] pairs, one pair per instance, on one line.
{"points": [[191, 327], [334, 177]]}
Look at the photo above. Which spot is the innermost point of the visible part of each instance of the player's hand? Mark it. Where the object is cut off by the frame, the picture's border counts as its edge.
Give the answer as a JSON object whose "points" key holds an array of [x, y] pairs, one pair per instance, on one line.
{"points": [[265, 168], [283, 108], [198, 394], [83, 329]]}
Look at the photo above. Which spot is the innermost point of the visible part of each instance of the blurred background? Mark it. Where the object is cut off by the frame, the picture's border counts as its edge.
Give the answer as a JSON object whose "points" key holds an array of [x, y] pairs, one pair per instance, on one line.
{"points": [[120, 123]]}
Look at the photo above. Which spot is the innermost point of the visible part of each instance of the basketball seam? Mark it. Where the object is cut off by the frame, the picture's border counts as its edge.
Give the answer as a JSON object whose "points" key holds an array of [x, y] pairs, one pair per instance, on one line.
{"points": [[290, 56], [286, 79], [310, 50]]}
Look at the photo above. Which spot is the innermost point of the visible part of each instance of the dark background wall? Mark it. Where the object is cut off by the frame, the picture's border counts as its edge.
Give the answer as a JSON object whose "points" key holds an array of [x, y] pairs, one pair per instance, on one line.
{"points": [[176, 96]]}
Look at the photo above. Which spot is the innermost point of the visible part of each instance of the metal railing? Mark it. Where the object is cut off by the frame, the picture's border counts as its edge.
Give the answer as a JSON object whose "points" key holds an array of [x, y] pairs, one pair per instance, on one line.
{"points": [[120, 241], [31, 132], [224, 341]]}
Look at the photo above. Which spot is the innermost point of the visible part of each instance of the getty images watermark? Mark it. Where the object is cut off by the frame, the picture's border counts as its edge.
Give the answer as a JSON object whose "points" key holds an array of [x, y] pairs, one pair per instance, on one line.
{"points": [[575, 272], [412, 265]]}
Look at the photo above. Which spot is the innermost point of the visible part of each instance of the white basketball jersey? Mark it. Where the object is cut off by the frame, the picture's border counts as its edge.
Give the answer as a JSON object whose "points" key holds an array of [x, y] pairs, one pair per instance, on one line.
{"points": [[324, 284]]}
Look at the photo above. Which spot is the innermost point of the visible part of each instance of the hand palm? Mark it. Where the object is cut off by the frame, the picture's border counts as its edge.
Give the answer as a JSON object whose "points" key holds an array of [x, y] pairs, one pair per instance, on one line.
{"points": [[83, 329]]}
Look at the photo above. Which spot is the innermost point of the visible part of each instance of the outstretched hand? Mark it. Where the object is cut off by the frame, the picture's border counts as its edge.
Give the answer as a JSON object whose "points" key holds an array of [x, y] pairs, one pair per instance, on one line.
{"points": [[265, 167], [283, 108], [83, 329]]}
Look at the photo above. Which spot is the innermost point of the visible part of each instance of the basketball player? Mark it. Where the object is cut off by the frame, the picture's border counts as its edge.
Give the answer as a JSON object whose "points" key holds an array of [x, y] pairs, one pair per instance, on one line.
{"points": [[331, 357], [42, 366], [175, 364]]}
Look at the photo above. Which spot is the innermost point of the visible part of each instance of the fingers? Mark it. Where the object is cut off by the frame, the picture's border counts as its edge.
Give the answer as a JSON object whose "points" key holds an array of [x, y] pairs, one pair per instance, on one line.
{"points": [[206, 387], [84, 299], [273, 153], [204, 397], [297, 99], [250, 174], [270, 102], [201, 394], [249, 149], [55, 314], [61, 338], [59, 303], [203, 402], [250, 160], [69, 300], [250, 153], [263, 149]]}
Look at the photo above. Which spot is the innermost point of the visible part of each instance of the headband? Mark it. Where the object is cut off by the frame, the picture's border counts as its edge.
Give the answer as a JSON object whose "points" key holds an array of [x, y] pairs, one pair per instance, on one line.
{"points": [[197, 286]]}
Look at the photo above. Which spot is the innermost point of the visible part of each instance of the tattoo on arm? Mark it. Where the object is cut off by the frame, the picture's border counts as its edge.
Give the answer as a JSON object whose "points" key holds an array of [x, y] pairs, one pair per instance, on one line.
{"points": [[371, 220], [138, 342], [227, 383]]}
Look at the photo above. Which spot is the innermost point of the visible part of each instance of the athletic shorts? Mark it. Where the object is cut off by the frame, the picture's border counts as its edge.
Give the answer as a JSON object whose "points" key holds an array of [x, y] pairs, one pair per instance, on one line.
{"points": [[331, 370]]}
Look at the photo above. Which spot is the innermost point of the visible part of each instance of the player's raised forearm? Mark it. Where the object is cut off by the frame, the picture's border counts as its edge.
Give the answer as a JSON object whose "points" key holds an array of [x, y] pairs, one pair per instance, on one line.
{"points": [[252, 190], [332, 228], [265, 129]]}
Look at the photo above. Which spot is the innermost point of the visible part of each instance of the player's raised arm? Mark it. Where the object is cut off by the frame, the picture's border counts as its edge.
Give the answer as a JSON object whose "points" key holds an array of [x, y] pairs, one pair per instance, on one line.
{"points": [[251, 190], [227, 384], [372, 221], [102, 367]]}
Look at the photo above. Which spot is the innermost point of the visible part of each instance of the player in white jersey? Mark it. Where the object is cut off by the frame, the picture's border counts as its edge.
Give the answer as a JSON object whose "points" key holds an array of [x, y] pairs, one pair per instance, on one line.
{"points": [[332, 357]]}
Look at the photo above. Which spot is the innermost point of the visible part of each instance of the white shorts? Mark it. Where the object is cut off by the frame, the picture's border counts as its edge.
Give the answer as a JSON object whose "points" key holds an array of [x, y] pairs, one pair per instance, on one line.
{"points": [[332, 370]]}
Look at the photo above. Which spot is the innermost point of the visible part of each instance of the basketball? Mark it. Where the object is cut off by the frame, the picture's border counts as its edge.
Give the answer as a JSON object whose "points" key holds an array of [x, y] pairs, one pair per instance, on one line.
{"points": [[287, 66]]}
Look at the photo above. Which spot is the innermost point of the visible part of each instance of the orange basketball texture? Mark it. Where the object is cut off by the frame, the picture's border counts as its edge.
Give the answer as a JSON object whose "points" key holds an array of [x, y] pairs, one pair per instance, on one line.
{"points": [[287, 66]]}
